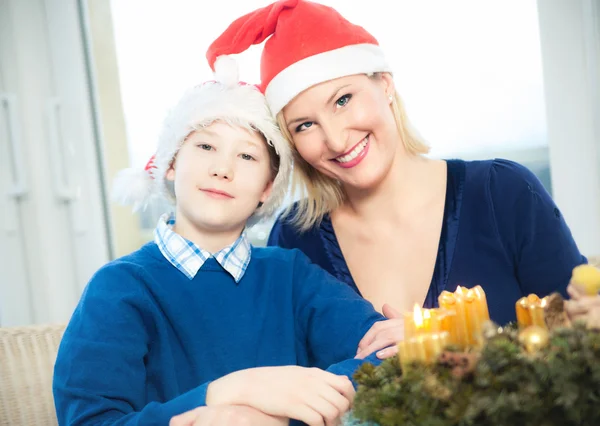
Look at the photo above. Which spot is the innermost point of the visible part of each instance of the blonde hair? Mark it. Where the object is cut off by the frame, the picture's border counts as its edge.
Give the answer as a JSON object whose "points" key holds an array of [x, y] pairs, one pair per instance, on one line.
{"points": [[319, 194]]}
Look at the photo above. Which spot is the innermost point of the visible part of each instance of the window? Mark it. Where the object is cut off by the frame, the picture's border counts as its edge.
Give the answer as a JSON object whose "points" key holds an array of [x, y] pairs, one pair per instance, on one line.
{"points": [[470, 72]]}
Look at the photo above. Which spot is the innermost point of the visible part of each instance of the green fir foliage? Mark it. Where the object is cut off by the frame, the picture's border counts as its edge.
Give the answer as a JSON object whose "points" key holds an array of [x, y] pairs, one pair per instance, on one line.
{"points": [[558, 385]]}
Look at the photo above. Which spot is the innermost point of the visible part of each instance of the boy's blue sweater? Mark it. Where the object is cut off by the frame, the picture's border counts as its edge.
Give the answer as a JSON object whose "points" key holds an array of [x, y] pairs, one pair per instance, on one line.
{"points": [[145, 341]]}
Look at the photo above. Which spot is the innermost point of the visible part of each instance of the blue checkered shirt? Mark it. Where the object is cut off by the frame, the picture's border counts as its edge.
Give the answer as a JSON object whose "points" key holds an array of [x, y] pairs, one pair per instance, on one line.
{"points": [[189, 258]]}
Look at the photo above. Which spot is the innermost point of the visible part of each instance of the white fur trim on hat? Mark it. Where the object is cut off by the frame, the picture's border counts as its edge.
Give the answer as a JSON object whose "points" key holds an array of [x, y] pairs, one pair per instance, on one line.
{"points": [[133, 187], [237, 104], [354, 59], [226, 71]]}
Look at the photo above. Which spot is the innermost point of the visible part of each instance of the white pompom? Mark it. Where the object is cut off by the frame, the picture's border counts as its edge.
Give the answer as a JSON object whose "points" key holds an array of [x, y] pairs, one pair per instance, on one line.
{"points": [[133, 187], [226, 70]]}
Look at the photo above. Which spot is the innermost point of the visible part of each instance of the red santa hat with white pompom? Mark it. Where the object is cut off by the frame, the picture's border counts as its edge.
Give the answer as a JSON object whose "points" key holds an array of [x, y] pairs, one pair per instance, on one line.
{"points": [[309, 43]]}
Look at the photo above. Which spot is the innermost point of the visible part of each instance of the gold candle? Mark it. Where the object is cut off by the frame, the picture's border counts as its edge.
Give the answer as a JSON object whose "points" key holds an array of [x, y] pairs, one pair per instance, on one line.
{"points": [[410, 330], [530, 311], [432, 320], [436, 343], [415, 350], [404, 354], [536, 312], [447, 321], [477, 314], [423, 348], [484, 312], [522, 308], [455, 302]]}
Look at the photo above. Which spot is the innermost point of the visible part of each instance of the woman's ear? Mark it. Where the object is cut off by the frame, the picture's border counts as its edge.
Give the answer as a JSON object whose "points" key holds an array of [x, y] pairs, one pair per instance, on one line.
{"points": [[388, 84]]}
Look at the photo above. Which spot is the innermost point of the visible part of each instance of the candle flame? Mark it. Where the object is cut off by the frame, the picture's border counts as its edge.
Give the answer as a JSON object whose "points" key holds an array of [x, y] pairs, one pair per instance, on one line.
{"points": [[418, 316]]}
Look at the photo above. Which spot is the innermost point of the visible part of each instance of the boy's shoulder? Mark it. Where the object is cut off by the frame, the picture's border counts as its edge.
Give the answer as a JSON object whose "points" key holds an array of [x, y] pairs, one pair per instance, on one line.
{"points": [[283, 259], [131, 267], [146, 256], [276, 254]]}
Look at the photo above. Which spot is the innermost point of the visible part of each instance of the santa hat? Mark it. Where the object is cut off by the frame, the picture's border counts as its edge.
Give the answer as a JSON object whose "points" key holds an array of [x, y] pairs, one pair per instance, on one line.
{"points": [[309, 43], [227, 100]]}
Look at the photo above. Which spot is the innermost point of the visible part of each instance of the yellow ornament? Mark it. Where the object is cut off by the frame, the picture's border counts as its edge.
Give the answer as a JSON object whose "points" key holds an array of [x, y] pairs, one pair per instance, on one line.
{"points": [[534, 338], [588, 278]]}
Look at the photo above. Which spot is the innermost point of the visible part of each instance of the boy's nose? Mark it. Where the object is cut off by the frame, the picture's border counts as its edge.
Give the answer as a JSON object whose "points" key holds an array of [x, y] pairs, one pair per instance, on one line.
{"points": [[222, 170]]}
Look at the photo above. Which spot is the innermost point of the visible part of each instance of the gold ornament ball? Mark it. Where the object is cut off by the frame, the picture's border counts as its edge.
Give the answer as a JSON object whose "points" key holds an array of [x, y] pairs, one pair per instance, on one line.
{"points": [[534, 338]]}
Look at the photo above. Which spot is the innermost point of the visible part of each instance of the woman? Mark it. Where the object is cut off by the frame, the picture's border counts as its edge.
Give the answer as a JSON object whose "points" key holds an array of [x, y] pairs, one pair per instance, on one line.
{"points": [[396, 226]]}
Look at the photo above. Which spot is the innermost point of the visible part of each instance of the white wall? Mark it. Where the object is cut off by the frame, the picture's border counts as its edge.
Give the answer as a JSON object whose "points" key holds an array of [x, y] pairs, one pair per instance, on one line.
{"points": [[570, 42]]}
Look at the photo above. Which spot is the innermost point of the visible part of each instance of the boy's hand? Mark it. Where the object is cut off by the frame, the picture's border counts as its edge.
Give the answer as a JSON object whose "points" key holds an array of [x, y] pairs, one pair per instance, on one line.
{"points": [[383, 336], [582, 307], [227, 415], [314, 396]]}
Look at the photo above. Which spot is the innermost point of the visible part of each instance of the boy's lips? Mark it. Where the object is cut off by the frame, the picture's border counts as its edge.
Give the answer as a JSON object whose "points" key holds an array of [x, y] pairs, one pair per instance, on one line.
{"points": [[216, 193]]}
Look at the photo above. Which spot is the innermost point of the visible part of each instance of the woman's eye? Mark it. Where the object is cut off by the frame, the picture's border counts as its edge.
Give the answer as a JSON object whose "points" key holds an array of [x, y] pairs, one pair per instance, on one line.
{"points": [[246, 157], [205, 146], [304, 126], [343, 100]]}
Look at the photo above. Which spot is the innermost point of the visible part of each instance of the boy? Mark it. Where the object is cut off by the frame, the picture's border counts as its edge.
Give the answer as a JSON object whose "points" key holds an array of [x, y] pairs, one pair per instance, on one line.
{"points": [[198, 317]]}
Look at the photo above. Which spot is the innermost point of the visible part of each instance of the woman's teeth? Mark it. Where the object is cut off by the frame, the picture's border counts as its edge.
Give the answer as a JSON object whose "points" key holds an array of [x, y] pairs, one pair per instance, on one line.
{"points": [[355, 152]]}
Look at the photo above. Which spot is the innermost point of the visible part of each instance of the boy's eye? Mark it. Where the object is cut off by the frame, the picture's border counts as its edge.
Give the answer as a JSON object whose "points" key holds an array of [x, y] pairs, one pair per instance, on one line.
{"points": [[343, 101], [246, 157], [304, 126], [205, 146]]}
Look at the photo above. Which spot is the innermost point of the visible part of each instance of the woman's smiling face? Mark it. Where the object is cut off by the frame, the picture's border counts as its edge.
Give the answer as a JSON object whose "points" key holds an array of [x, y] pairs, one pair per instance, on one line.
{"points": [[345, 128]]}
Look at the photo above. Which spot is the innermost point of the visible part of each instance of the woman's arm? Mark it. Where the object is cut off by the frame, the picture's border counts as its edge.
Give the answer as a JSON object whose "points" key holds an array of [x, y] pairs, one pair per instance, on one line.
{"points": [[531, 228]]}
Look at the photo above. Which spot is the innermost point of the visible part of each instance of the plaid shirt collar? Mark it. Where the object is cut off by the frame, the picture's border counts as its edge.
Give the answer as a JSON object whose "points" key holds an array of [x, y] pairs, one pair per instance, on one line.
{"points": [[189, 258]]}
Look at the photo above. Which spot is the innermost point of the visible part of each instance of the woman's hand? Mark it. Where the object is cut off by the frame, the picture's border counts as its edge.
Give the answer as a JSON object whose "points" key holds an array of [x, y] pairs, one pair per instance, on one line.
{"points": [[314, 396], [227, 415], [383, 336], [582, 307]]}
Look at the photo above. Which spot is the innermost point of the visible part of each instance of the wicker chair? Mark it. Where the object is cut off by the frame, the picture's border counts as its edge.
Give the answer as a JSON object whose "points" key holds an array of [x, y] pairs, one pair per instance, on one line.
{"points": [[27, 356]]}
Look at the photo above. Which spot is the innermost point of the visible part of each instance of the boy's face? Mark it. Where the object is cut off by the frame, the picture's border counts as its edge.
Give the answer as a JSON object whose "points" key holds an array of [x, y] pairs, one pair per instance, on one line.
{"points": [[220, 174]]}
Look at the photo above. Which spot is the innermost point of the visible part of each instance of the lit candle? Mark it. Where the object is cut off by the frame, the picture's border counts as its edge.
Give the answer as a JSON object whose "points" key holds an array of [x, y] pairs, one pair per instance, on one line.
{"points": [[424, 348], [413, 323], [422, 321], [423, 338]]}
